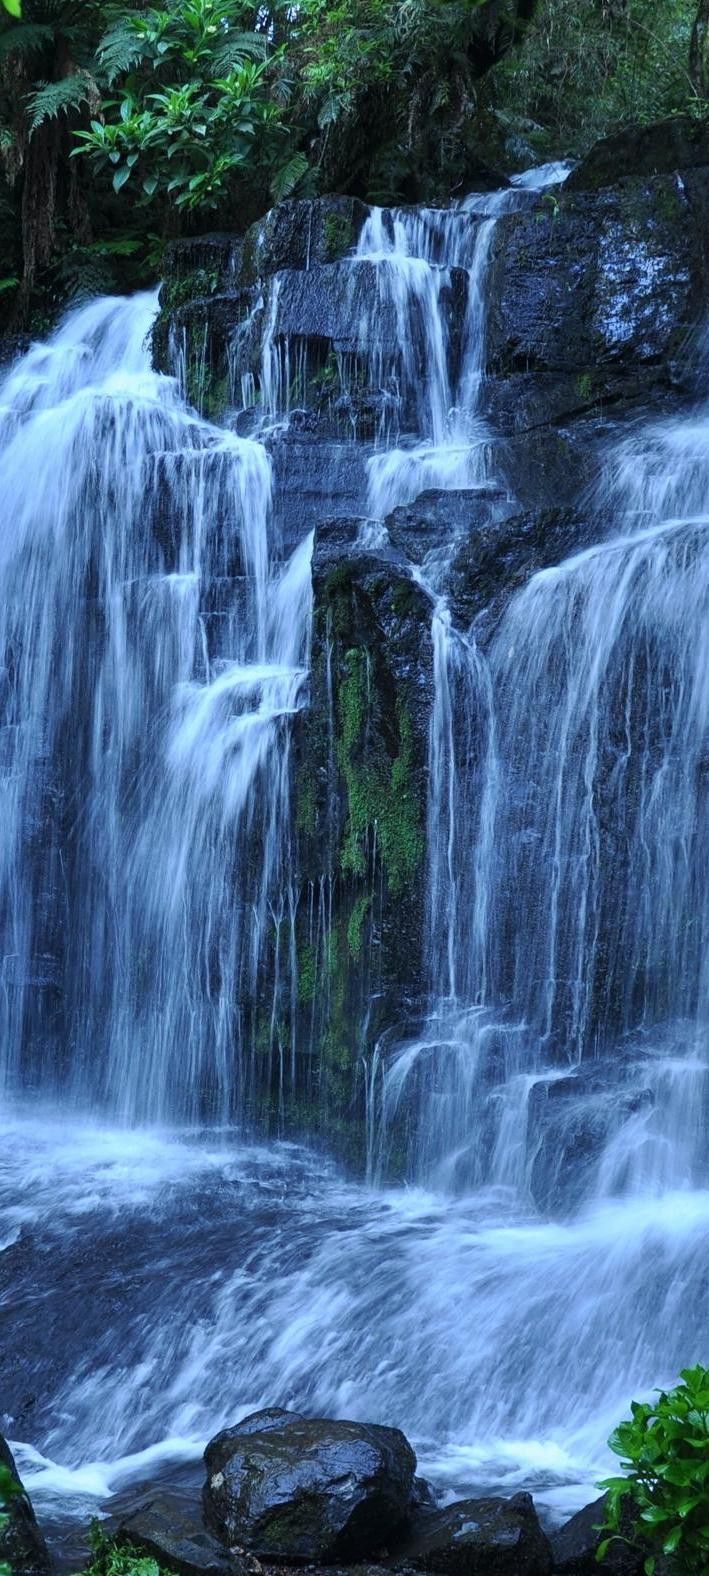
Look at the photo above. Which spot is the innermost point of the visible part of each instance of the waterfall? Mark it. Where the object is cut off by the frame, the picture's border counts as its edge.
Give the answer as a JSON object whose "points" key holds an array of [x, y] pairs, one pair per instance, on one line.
{"points": [[154, 653], [527, 1253]]}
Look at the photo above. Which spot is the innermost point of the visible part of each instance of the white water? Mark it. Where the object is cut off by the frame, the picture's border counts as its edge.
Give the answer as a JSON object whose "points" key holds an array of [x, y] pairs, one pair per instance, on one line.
{"points": [[154, 655], [546, 1260]]}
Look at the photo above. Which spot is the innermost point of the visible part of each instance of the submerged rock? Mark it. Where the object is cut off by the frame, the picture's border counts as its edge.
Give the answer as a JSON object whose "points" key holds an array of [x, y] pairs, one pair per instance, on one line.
{"points": [[480, 1537], [21, 1542], [291, 1488]]}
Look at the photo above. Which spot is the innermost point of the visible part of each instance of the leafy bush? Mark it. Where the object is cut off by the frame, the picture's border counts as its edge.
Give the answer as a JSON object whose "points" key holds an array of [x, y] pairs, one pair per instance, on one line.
{"points": [[664, 1448], [197, 103]]}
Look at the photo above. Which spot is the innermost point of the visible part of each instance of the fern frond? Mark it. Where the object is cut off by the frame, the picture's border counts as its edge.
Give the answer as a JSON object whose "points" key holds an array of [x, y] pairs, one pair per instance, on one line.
{"points": [[238, 47], [120, 48], [52, 99], [25, 38], [288, 176]]}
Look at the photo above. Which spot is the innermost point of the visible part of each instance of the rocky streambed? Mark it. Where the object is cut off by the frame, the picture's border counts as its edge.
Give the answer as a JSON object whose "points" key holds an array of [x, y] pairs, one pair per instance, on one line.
{"points": [[283, 1491]]}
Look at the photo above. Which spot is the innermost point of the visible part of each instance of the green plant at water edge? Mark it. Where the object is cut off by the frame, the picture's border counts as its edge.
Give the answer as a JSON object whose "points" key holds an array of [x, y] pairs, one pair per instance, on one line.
{"points": [[9, 1490], [664, 1449], [108, 1559]]}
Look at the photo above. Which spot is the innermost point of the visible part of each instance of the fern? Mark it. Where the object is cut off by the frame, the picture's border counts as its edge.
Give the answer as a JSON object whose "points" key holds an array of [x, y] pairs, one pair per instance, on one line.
{"points": [[120, 48], [236, 48], [288, 176], [52, 99], [25, 38]]}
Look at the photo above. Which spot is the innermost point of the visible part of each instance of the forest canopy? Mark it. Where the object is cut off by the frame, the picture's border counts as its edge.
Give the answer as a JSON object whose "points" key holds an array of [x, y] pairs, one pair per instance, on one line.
{"points": [[122, 124]]}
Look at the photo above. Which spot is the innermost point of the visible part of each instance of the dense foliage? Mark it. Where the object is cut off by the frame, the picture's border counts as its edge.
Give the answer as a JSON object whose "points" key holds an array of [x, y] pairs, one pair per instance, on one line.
{"points": [[664, 1448], [122, 122]]}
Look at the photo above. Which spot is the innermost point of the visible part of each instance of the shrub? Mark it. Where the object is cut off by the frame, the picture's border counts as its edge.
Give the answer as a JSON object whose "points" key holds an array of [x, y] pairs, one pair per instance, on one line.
{"points": [[664, 1449]]}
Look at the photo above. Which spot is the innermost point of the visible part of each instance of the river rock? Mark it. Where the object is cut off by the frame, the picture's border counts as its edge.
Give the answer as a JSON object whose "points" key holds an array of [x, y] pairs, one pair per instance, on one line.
{"points": [[574, 1547], [21, 1542], [299, 1489], [480, 1537]]}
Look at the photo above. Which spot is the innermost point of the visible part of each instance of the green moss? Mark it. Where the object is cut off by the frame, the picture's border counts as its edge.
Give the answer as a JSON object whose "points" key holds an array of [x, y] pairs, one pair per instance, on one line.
{"points": [[307, 974], [381, 799], [584, 385], [191, 287], [338, 232], [306, 814], [355, 924]]}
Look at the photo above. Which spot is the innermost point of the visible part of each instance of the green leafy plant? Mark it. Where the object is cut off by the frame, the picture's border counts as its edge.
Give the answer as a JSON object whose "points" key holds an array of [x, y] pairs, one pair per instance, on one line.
{"points": [[196, 105], [664, 1447], [111, 1559]]}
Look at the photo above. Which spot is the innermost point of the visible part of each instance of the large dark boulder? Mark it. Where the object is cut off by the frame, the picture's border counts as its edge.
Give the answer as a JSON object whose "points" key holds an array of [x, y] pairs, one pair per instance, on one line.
{"points": [[680, 143], [575, 1545], [21, 1542], [480, 1537], [290, 1488]]}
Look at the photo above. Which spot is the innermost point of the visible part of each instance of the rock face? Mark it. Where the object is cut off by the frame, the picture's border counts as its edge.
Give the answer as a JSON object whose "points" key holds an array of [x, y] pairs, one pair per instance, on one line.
{"points": [[289, 1488], [21, 1542], [593, 298], [481, 1537], [591, 290]]}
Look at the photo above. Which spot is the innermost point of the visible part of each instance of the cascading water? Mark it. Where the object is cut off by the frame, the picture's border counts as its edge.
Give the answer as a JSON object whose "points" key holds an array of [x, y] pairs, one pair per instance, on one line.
{"points": [[544, 1262], [153, 655]]}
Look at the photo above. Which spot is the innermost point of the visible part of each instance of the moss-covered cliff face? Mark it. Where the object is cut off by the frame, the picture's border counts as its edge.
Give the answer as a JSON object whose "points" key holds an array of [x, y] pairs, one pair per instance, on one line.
{"points": [[362, 800], [592, 295]]}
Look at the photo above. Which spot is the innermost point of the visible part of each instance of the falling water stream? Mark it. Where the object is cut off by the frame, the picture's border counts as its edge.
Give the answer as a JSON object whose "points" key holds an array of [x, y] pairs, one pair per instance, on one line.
{"points": [[546, 1259]]}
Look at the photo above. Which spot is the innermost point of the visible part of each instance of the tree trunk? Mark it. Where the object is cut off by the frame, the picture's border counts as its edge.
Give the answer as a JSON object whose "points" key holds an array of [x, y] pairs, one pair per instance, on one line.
{"points": [[699, 51]]}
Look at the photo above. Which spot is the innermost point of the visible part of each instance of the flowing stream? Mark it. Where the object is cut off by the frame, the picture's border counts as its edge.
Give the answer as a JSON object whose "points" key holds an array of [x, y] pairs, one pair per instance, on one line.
{"points": [[161, 1273]]}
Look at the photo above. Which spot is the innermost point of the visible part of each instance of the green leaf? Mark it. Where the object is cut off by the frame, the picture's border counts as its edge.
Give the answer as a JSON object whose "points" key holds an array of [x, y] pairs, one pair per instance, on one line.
{"points": [[13, 7], [121, 176]]}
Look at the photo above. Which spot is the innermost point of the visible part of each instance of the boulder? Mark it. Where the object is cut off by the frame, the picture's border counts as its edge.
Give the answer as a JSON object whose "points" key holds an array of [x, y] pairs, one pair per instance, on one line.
{"points": [[574, 1547], [480, 1537], [295, 1489], [681, 143], [21, 1542]]}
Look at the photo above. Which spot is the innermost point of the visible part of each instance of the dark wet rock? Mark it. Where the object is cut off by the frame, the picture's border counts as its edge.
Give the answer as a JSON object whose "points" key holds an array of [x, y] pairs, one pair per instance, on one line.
{"points": [[301, 233], [575, 1545], [680, 143], [169, 1528], [596, 295], [307, 1489], [297, 233], [573, 1119], [501, 556], [436, 519], [313, 479], [21, 1542], [12, 346], [423, 1496], [480, 1537]]}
